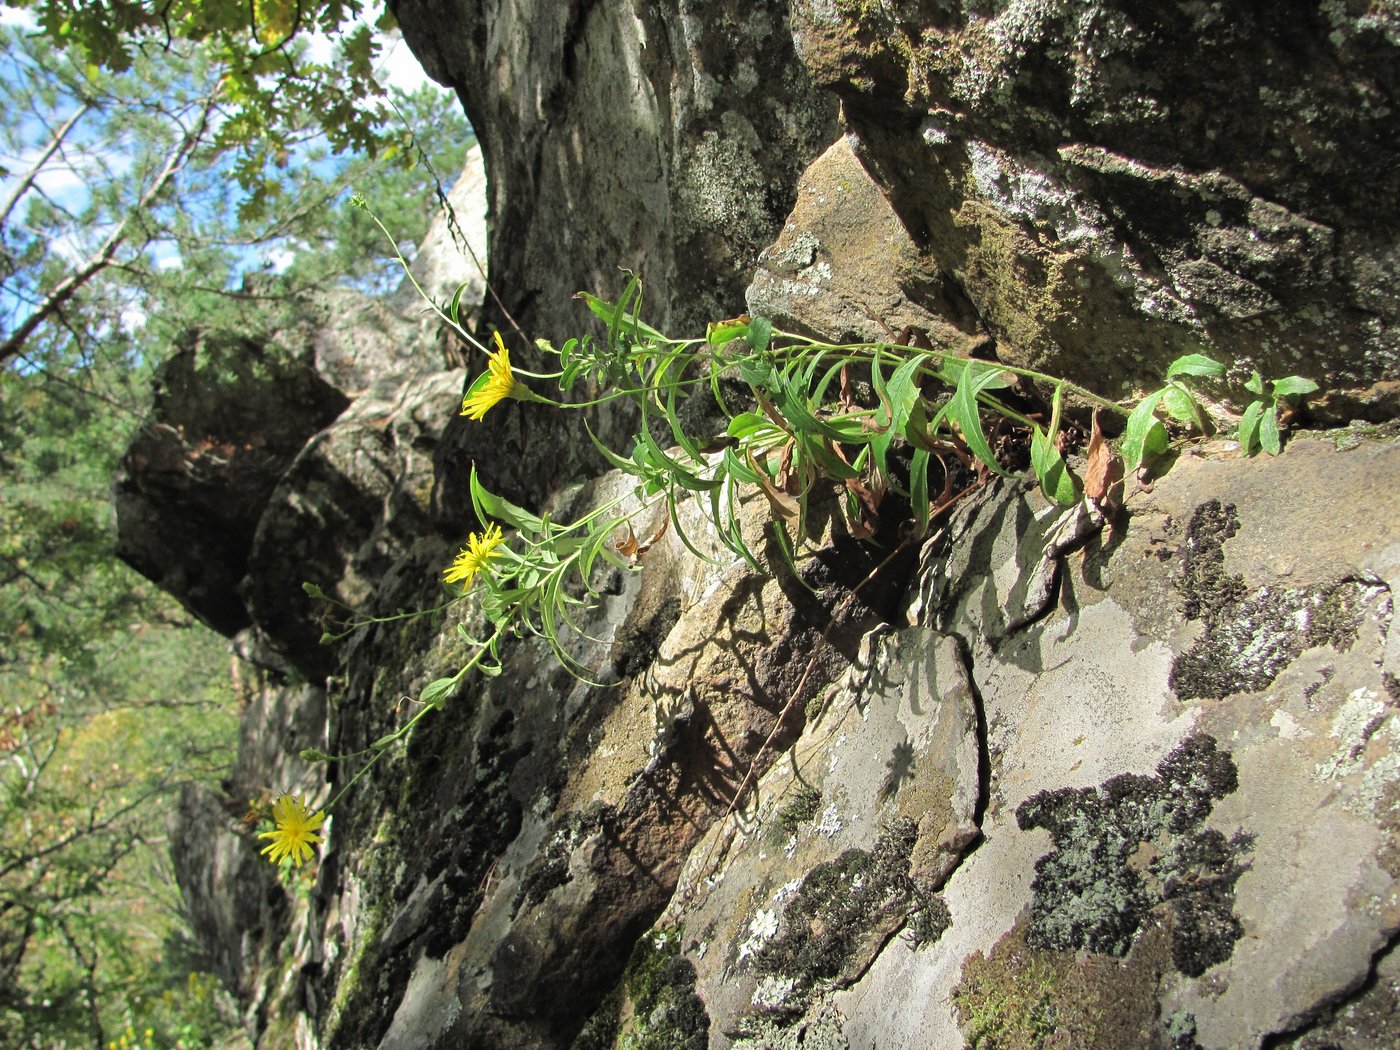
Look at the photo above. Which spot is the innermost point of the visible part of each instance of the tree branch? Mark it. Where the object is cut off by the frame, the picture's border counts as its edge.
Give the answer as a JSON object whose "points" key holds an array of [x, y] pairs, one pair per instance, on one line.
{"points": [[103, 256], [26, 183]]}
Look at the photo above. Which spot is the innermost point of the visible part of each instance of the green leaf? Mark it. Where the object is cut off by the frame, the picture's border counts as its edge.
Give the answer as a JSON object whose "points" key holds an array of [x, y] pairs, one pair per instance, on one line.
{"points": [[437, 693], [1291, 386], [898, 399], [1056, 481], [746, 424], [618, 319], [918, 489], [737, 470], [1269, 435], [758, 372], [1255, 384], [760, 334], [627, 466], [792, 403], [1180, 404], [1195, 365], [717, 333], [1248, 433], [1144, 436], [455, 307], [489, 507], [964, 410]]}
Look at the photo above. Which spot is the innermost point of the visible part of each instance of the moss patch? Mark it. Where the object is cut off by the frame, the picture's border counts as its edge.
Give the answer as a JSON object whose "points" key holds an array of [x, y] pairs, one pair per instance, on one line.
{"points": [[840, 917], [802, 806], [1249, 638], [655, 1006], [1019, 997], [1131, 844]]}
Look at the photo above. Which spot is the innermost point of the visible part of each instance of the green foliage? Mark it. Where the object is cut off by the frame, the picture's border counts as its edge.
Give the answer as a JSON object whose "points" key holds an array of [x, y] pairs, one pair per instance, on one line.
{"points": [[110, 697], [123, 225], [786, 422], [1259, 424], [1146, 436], [127, 225], [270, 85]]}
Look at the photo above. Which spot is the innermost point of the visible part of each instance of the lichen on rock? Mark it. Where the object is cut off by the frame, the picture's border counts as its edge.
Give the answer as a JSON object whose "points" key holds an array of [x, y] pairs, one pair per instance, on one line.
{"points": [[1131, 844]]}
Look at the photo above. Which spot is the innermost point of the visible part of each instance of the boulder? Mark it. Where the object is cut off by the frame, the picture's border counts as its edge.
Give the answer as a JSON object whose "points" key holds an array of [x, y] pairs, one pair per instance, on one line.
{"points": [[230, 414]]}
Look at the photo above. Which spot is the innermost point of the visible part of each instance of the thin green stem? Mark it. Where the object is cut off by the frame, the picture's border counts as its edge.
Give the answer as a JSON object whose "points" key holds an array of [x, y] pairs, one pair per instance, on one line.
{"points": [[381, 746]]}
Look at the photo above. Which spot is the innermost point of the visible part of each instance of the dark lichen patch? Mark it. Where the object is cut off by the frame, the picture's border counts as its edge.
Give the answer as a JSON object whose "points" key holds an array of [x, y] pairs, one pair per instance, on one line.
{"points": [[666, 1014], [550, 869], [1132, 844], [1249, 639], [842, 914], [1020, 997], [1204, 584]]}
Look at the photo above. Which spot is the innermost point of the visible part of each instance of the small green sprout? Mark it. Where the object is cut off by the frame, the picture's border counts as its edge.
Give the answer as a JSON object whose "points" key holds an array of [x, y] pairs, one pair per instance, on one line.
{"points": [[1260, 423]]}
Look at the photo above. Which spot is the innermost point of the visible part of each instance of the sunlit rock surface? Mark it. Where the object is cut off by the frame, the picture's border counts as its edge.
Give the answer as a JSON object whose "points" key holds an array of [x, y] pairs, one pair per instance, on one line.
{"points": [[1037, 781]]}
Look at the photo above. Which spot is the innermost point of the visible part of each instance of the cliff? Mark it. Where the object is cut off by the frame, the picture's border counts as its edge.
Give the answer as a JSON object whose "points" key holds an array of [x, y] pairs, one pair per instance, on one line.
{"points": [[1033, 780]]}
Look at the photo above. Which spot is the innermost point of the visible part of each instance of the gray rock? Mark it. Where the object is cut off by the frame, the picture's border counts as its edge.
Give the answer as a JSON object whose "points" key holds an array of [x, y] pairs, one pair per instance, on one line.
{"points": [[1104, 176]]}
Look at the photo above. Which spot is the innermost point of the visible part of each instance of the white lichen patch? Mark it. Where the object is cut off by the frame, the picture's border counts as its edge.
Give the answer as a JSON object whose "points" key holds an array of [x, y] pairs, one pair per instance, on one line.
{"points": [[761, 929], [1361, 717], [786, 890], [772, 992], [830, 824], [1289, 728]]}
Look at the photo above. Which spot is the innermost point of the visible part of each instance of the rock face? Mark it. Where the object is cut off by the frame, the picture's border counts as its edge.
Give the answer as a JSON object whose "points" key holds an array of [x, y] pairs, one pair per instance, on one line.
{"points": [[1033, 781], [1110, 185]]}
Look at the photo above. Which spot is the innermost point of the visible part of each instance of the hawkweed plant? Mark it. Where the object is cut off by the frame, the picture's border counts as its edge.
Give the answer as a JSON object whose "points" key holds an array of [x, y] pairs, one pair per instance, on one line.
{"points": [[787, 419]]}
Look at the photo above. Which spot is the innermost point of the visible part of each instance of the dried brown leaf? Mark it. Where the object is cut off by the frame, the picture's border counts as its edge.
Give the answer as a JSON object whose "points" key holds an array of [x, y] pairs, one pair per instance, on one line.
{"points": [[1103, 473]]}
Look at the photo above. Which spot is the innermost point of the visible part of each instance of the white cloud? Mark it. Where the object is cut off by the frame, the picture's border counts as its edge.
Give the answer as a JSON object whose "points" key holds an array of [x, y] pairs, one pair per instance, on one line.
{"points": [[165, 255]]}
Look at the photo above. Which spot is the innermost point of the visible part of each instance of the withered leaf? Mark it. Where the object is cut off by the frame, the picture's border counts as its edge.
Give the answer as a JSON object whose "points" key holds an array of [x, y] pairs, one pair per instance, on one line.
{"points": [[1103, 473]]}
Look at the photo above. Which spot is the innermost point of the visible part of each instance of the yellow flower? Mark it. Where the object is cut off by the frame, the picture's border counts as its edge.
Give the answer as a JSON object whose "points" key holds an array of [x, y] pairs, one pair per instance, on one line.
{"points": [[479, 550], [295, 833], [496, 384]]}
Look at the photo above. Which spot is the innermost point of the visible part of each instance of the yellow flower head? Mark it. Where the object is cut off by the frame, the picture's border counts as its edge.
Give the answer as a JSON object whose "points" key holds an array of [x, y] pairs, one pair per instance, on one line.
{"points": [[496, 384], [295, 833], [473, 558]]}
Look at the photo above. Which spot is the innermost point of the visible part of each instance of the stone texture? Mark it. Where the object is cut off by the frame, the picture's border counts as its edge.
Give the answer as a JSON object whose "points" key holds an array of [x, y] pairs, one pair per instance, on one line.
{"points": [[454, 252], [1042, 783], [230, 414], [1112, 185], [348, 507], [845, 268], [665, 139]]}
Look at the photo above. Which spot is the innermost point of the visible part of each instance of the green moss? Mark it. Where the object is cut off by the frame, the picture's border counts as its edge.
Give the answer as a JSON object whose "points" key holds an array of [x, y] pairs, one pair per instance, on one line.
{"points": [[1014, 1007], [802, 805], [660, 985], [1018, 997], [1352, 435]]}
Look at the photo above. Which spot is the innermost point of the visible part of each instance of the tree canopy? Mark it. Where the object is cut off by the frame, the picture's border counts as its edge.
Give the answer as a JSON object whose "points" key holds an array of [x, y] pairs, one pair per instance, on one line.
{"points": [[164, 167]]}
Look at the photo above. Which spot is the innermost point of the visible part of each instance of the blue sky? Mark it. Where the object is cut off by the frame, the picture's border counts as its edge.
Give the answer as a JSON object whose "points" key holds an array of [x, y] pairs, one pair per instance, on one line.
{"points": [[65, 177]]}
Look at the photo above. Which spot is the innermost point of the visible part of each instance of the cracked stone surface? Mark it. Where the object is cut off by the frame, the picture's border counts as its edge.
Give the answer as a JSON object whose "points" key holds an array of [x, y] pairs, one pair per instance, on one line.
{"points": [[846, 839], [1174, 870]]}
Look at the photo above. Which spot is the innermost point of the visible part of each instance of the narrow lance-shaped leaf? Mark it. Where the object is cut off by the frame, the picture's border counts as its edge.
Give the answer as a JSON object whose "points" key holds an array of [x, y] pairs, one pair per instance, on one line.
{"points": [[1249, 428], [963, 409]]}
